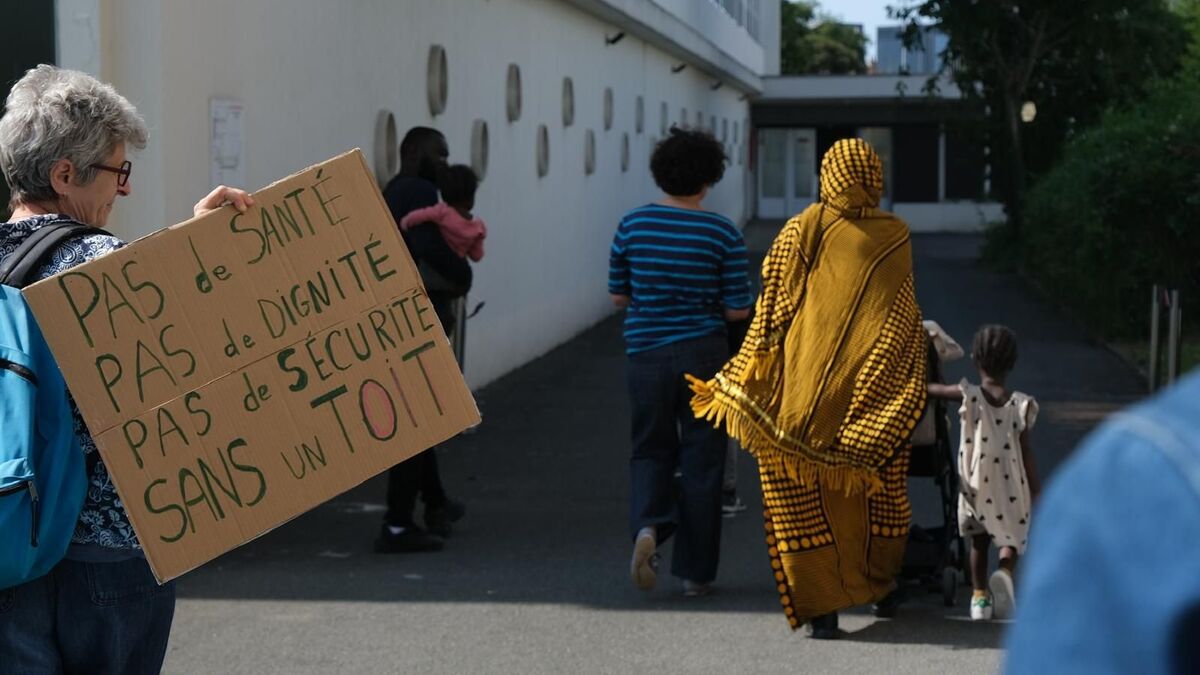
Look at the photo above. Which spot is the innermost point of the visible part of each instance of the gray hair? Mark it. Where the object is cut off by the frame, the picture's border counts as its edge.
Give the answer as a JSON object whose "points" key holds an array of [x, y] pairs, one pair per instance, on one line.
{"points": [[54, 114]]}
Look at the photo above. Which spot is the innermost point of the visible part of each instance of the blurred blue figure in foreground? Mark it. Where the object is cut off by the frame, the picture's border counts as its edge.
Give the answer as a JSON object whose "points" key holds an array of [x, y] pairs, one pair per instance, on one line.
{"points": [[1111, 584]]}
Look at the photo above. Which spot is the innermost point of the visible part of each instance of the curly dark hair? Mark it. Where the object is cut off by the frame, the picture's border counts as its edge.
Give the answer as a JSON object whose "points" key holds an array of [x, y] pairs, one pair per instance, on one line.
{"points": [[687, 161], [994, 350], [458, 183]]}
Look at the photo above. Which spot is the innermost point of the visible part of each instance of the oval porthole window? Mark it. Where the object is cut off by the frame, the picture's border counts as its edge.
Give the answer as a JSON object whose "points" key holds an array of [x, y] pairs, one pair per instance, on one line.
{"points": [[735, 131], [683, 117], [608, 108], [724, 130], [712, 125], [624, 152], [663, 121], [589, 152], [639, 115], [512, 93], [435, 80], [568, 102], [699, 119], [543, 150], [479, 148], [387, 152]]}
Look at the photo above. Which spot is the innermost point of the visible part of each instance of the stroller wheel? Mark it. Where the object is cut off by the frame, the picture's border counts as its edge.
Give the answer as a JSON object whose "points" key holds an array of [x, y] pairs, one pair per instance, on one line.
{"points": [[949, 586]]}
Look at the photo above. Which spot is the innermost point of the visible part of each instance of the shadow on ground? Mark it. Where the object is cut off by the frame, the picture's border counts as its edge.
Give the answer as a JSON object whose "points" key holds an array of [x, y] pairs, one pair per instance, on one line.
{"points": [[923, 625]]}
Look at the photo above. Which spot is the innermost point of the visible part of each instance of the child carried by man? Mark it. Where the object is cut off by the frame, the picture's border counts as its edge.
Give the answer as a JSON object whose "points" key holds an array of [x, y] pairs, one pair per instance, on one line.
{"points": [[462, 231]]}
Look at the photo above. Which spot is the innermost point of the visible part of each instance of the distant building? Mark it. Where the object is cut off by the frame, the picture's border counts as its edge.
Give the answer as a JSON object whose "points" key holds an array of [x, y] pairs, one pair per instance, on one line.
{"points": [[746, 13], [935, 176], [923, 58]]}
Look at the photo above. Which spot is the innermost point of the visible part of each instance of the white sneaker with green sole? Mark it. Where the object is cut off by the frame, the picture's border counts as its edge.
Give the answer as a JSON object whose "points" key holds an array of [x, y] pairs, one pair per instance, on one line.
{"points": [[1003, 596], [981, 608]]}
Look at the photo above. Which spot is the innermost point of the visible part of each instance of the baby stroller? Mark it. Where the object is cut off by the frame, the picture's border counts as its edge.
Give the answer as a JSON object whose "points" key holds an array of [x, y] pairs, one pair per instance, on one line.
{"points": [[936, 555]]}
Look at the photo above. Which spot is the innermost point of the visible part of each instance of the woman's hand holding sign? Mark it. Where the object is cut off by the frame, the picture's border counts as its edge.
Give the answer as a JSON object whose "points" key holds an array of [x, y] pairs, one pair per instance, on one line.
{"points": [[222, 195]]}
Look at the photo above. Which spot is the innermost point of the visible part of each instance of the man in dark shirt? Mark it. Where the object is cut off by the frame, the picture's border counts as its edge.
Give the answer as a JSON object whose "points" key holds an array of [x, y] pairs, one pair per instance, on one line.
{"points": [[422, 153]]}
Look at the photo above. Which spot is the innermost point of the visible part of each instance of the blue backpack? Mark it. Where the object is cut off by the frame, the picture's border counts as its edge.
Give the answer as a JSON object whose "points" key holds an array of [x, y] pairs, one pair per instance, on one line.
{"points": [[43, 476]]}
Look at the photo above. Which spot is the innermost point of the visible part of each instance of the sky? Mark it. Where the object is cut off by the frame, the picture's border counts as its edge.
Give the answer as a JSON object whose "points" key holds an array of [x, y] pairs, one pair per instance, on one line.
{"points": [[870, 13]]}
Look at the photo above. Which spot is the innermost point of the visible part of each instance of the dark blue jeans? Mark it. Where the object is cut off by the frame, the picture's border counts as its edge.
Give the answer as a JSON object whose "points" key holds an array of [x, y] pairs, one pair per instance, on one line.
{"points": [[108, 618], [666, 436]]}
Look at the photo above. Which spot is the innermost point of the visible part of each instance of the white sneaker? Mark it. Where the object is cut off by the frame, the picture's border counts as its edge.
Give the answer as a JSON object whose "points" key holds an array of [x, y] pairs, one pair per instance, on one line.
{"points": [[1003, 596], [981, 608], [644, 565]]}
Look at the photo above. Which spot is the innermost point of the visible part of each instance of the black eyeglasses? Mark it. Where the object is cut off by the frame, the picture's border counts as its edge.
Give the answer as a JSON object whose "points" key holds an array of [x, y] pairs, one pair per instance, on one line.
{"points": [[122, 171]]}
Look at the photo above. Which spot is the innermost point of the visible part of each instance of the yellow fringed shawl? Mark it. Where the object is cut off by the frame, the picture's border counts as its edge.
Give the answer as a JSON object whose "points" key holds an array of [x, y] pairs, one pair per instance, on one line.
{"points": [[830, 381]]}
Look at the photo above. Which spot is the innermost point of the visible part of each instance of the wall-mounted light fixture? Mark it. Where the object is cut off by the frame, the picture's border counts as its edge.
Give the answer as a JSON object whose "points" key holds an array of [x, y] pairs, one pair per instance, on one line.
{"points": [[568, 102], [436, 74], [387, 157], [512, 93], [613, 39], [717, 85], [543, 151], [589, 152], [679, 68], [608, 108], [479, 148]]}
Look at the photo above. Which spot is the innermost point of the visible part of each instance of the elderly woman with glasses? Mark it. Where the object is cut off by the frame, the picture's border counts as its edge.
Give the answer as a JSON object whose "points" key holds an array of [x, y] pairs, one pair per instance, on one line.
{"points": [[63, 143]]}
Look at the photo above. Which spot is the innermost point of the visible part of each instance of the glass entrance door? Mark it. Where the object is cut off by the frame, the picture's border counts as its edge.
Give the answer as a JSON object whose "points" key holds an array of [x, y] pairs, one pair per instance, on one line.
{"points": [[772, 173], [880, 138], [803, 143], [787, 171]]}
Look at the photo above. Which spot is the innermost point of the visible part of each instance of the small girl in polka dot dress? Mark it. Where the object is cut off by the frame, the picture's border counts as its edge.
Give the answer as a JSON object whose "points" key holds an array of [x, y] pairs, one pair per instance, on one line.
{"points": [[997, 474]]}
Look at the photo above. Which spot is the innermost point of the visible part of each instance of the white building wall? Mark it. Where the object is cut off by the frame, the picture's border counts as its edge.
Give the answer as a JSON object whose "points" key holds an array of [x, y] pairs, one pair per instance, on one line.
{"points": [[314, 75]]}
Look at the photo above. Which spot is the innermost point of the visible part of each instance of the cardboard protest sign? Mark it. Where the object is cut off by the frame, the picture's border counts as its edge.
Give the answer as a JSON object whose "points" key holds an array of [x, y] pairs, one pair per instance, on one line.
{"points": [[239, 369]]}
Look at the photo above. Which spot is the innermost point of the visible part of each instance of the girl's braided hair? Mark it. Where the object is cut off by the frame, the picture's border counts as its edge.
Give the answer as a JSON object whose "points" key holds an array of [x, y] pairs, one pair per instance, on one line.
{"points": [[994, 350]]}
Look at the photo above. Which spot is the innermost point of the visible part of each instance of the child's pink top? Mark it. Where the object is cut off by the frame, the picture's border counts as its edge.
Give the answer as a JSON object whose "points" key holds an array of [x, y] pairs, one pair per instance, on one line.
{"points": [[465, 237]]}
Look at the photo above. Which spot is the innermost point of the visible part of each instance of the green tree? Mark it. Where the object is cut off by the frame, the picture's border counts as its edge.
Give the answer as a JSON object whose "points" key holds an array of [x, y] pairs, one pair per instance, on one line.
{"points": [[1071, 58], [818, 44], [1117, 212], [1190, 11]]}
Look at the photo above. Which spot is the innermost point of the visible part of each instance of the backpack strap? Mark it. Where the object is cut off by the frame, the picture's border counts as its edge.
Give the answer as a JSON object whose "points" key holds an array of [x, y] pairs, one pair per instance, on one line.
{"points": [[20, 266]]}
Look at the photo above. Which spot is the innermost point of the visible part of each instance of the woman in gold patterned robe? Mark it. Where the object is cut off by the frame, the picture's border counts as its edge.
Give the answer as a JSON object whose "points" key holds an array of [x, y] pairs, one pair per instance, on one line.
{"points": [[826, 391]]}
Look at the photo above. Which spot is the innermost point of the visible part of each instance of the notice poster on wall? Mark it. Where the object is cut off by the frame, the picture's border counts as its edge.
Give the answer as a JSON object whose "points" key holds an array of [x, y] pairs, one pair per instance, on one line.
{"points": [[226, 136], [238, 369]]}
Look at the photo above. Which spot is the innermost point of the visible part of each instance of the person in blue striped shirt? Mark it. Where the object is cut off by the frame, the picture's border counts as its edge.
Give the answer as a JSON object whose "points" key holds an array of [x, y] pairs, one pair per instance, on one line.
{"points": [[681, 273]]}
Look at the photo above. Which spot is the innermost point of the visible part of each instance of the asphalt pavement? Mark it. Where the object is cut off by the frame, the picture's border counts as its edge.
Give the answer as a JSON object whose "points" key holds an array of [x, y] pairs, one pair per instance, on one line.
{"points": [[535, 578]]}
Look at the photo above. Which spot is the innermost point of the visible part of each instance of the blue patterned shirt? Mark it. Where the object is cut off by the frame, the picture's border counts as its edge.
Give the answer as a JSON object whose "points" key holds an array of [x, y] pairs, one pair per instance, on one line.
{"points": [[681, 270], [103, 521]]}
